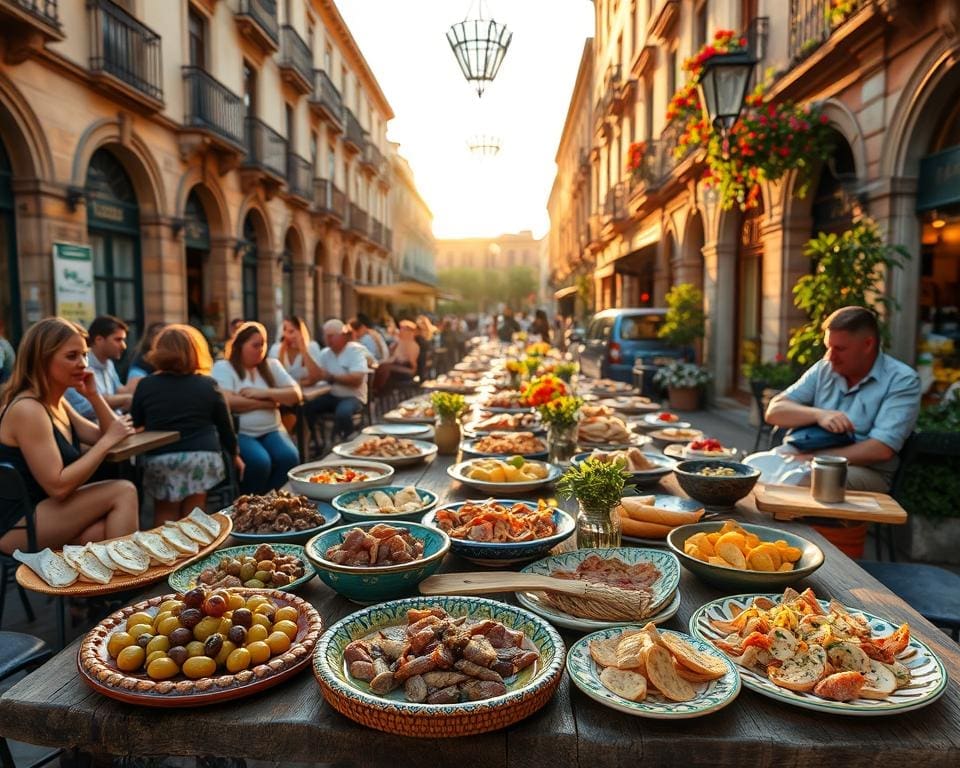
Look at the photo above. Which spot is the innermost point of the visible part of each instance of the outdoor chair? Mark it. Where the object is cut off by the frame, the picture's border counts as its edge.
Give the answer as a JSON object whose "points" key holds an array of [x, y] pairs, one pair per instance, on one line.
{"points": [[15, 505], [20, 652], [932, 592], [223, 494], [322, 426], [756, 389]]}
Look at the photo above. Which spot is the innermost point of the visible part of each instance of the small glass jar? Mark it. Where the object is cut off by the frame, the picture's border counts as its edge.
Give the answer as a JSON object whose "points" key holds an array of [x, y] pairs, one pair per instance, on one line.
{"points": [[598, 527], [561, 443]]}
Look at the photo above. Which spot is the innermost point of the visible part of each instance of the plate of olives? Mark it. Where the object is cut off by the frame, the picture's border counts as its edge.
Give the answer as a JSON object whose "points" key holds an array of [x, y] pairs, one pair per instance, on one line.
{"points": [[199, 647], [254, 566]]}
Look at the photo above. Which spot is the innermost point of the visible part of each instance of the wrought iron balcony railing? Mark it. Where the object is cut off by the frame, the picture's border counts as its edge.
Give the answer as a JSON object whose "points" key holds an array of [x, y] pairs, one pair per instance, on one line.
{"points": [[328, 199], [266, 149], [354, 133], [45, 10], [358, 220], [615, 203], [296, 56], [376, 231], [263, 14], [212, 106], [327, 98], [388, 238], [372, 156], [811, 23], [299, 176], [125, 48]]}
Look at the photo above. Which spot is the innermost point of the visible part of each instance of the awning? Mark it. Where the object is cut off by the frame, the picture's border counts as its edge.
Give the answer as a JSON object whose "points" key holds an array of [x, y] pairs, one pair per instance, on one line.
{"points": [[564, 292], [406, 288]]}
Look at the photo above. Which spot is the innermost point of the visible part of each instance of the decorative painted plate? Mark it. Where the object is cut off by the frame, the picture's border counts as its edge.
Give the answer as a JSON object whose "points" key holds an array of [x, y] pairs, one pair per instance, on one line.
{"points": [[457, 472], [526, 693], [929, 677], [711, 696], [185, 578], [642, 478], [664, 501], [634, 441], [424, 450], [351, 514], [330, 518], [469, 448]]}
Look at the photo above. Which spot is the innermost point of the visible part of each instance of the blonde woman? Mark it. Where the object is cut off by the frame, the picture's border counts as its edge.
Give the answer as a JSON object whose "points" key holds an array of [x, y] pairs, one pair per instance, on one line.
{"points": [[180, 395], [40, 436]]}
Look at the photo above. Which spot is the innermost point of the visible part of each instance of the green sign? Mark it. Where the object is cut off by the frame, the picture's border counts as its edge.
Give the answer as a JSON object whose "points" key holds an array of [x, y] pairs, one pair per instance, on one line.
{"points": [[73, 282], [939, 183]]}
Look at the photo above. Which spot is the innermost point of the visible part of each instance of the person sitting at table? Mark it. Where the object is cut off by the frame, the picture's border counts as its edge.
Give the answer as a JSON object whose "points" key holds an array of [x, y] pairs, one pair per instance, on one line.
{"points": [[369, 336], [345, 365], [401, 366], [108, 341], [255, 386], [294, 339], [139, 367], [181, 396], [40, 436], [856, 402]]}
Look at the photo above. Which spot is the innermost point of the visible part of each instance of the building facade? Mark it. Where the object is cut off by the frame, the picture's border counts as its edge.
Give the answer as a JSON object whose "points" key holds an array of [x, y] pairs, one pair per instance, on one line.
{"points": [[885, 72], [220, 158], [512, 250]]}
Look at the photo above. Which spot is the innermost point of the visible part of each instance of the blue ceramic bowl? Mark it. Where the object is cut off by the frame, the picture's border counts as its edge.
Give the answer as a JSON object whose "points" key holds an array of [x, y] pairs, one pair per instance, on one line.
{"points": [[505, 553], [721, 491], [341, 504], [185, 577], [331, 518], [369, 585], [645, 478]]}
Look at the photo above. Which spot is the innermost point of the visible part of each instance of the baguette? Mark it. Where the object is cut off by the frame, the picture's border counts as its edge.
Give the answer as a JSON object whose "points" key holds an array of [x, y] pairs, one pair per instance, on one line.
{"points": [[643, 530], [636, 509]]}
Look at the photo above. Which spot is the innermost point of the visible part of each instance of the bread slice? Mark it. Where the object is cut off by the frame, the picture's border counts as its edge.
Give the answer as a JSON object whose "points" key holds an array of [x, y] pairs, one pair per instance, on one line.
{"points": [[210, 524], [194, 531], [128, 556], [156, 547], [90, 567], [625, 683], [173, 535], [102, 554], [71, 553], [49, 566]]}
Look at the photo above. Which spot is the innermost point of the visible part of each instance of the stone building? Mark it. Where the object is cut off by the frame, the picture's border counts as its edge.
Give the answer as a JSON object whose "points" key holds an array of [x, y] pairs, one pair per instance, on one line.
{"points": [[887, 76], [220, 158]]}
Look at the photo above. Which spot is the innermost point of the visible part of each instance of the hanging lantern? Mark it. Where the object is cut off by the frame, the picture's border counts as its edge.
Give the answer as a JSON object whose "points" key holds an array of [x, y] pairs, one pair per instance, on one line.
{"points": [[484, 146], [479, 45]]}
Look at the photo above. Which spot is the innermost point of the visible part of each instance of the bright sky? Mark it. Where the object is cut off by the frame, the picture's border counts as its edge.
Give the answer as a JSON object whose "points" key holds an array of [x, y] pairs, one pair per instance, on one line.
{"points": [[404, 41]]}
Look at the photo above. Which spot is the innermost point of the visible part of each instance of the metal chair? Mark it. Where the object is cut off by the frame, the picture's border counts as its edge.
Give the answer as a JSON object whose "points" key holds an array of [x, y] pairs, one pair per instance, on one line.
{"points": [[756, 389], [20, 652], [15, 505]]}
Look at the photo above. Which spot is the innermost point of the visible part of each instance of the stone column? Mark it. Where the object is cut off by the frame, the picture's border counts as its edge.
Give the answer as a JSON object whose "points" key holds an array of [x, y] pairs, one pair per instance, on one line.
{"points": [[222, 279], [163, 272], [269, 276], [302, 290], [783, 264], [719, 290]]}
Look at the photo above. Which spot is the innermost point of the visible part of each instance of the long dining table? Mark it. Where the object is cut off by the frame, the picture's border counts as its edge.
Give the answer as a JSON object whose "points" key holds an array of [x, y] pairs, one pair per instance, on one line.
{"points": [[293, 723]]}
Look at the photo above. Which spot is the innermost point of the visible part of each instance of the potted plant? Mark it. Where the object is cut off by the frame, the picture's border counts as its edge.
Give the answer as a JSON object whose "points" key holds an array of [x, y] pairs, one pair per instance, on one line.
{"points": [[562, 417], [685, 321], [564, 371], [597, 487], [448, 408], [683, 382]]}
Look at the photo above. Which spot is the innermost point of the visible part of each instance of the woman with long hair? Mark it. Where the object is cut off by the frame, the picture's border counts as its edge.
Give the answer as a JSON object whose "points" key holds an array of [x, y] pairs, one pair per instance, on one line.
{"points": [[140, 366], [255, 387], [181, 396], [296, 352], [40, 436]]}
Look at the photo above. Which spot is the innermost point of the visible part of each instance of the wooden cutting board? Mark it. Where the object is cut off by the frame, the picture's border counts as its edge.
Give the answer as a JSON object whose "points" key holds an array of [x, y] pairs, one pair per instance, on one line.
{"points": [[787, 502]]}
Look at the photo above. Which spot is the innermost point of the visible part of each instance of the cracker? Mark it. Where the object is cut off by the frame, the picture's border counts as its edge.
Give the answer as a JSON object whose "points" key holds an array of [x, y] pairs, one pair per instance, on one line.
{"points": [[626, 684], [658, 663], [694, 659]]}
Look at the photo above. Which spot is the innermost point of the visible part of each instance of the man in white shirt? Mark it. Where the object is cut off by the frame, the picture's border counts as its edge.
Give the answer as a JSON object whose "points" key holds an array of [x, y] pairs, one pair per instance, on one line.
{"points": [[344, 365], [370, 337], [107, 337]]}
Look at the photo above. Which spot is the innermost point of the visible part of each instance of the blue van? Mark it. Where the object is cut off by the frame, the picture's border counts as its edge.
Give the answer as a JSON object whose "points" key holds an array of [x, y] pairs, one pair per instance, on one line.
{"points": [[617, 339]]}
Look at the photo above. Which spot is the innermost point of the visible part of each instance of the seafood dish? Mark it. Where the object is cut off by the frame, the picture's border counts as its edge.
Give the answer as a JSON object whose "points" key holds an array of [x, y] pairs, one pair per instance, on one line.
{"points": [[438, 659], [275, 512], [405, 500], [633, 459], [613, 572], [801, 645], [509, 398], [491, 521], [514, 470], [264, 568], [504, 422], [523, 443], [342, 475], [604, 430], [734, 547], [381, 545], [389, 447]]}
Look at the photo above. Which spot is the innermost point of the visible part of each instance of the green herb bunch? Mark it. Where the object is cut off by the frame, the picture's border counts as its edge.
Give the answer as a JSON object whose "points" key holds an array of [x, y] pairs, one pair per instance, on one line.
{"points": [[448, 405], [595, 484], [566, 370], [562, 411]]}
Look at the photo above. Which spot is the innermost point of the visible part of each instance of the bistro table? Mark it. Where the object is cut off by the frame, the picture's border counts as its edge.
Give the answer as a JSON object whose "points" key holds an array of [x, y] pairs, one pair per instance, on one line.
{"points": [[140, 442], [292, 722]]}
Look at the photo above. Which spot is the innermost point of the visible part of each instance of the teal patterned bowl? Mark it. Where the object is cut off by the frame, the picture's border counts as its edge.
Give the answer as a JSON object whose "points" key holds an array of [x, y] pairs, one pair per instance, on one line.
{"points": [[185, 578], [526, 693], [350, 515], [370, 585]]}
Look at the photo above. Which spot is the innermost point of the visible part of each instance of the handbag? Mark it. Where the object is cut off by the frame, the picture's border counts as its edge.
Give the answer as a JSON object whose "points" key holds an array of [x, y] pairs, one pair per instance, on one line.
{"points": [[816, 438]]}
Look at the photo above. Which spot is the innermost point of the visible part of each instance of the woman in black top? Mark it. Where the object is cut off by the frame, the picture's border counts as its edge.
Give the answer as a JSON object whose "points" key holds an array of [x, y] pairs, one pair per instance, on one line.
{"points": [[40, 435], [180, 396]]}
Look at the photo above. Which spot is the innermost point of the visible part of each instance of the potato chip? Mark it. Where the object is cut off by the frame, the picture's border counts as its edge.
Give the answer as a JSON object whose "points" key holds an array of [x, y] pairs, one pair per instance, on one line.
{"points": [[701, 542], [604, 652], [760, 561], [730, 552]]}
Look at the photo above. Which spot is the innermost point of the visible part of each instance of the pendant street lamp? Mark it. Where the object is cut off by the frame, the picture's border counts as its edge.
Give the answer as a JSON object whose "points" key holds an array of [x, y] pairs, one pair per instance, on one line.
{"points": [[723, 87], [479, 45]]}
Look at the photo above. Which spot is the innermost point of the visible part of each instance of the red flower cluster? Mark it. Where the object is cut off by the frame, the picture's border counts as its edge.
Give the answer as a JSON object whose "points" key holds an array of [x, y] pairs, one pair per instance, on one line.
{"points": [[543, 389], [635, 153]]}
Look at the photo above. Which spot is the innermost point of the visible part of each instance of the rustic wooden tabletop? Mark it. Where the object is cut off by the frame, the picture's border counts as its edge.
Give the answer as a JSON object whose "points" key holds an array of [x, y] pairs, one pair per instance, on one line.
{"points": [[140, 442]]}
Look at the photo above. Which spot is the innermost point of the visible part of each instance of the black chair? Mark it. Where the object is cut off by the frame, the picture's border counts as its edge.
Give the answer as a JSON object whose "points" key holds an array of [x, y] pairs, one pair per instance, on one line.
{"points": [[223, 494], [20, 653], [756, 389], [932, 592], [15, 505]]}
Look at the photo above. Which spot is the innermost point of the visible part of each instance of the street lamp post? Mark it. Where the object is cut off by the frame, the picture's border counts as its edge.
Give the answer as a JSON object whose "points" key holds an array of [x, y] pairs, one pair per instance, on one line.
{"points": [[723, 87]]}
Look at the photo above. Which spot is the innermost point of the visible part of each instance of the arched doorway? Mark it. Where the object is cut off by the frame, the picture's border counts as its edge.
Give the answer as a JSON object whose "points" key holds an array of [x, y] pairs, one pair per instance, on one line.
{"points": [[832, 205], [10, 326], [197, 241], [249, 268], [113, 228], [748, 298]]}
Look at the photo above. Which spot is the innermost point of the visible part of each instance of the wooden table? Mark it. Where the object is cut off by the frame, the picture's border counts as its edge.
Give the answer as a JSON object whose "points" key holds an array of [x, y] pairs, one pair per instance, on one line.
{"points": [[293, 723], [141, 442]]}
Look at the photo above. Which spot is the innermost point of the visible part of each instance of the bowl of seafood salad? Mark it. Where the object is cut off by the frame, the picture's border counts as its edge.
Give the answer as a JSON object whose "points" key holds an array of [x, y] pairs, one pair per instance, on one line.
{"points": [[395, 451], [389, 502], [370, 562], [322, 480], [498, 532], [506, 664]]}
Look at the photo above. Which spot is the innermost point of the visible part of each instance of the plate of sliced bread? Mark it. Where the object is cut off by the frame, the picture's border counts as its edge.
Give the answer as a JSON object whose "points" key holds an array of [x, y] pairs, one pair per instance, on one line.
{"points": [[113, 565]]}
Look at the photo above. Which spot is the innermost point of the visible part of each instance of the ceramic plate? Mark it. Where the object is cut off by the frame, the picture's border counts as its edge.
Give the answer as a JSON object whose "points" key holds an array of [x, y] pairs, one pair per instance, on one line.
{"points": [[664, 501], [651, 420], [644, 478], [185, 578], [398, 430], [929, 678], [607, 388], [660, 437], [711, 696], [397, 417], [469, 448], [630, 404], [635, 441], [351, 515], [464, 388], [525, 694], [457, 472], [347, 450], [680, 451]]}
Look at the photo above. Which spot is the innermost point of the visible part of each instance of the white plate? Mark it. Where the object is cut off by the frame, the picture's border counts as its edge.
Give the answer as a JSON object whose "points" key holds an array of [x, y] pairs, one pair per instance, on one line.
{"points": [[399, 430], [326, 491], [561, 619], [658, 435], [651, 420], [929, 678], [636, 441], [347, 451], [680, 451], [630, 404], [457, 473], [711, 696]]}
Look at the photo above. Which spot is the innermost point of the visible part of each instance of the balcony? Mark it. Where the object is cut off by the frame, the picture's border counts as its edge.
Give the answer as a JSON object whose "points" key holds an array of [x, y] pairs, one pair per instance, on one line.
{"points": [[296, 60], [615, 204], [28, 25], [376, 231], [212, 111], [299, 178], [353, 136], [372, 158], [357, 220], [326, 101], [811, 24], [328, 200], [665, 15], [419, 273], [388, 238], [266, 158], [125, 55], [669, 161], [257, 21]]}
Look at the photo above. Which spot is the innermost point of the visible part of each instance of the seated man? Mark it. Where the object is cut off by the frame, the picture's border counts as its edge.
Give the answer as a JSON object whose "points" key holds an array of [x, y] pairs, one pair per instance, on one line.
{"points": [[344, 365], [867, 399], [107, 336]]}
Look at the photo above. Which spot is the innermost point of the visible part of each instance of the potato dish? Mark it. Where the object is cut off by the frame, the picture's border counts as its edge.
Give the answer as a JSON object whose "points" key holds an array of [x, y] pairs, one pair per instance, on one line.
{"points": [[733, 547], [514, 470]]}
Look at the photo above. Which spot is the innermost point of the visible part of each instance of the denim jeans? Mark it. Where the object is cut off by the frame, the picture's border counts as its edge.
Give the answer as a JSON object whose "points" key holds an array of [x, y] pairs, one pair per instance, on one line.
{"points": [[268, 458], [342, 408]]}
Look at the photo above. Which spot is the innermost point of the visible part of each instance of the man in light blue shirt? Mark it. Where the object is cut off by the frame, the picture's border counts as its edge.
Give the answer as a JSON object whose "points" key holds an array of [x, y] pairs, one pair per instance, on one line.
{"points": [[107, 337], [855, 390]]}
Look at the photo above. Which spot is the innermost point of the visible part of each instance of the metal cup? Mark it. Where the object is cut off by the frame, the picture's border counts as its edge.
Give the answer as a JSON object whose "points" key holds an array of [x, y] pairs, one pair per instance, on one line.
{"points": [[828, 482]]}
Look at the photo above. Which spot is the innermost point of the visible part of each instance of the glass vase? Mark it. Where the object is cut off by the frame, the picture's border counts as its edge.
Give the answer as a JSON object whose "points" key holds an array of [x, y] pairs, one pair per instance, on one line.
{"points": [[561, 443], [598, 527]]}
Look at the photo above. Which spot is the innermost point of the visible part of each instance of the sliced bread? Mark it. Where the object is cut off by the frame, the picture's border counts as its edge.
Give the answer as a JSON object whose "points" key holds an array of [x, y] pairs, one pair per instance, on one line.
{"points": [[103, 554], [128, 556], [90, 567], [195, 532], [49, 566], [174, 536], [159, 551], [210, 524]]}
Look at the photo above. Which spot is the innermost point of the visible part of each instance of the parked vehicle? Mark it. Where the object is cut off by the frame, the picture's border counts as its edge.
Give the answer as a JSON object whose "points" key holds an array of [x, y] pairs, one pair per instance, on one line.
{"points": [[618, 339]]}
